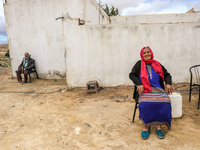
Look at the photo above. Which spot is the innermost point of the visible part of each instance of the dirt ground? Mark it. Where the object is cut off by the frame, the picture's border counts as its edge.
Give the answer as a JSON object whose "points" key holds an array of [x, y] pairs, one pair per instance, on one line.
{"points": [[37, 116]]}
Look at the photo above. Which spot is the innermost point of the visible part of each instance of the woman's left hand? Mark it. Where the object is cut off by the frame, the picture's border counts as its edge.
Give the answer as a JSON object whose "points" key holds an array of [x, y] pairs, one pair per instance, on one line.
{"points": [[168, 89]]}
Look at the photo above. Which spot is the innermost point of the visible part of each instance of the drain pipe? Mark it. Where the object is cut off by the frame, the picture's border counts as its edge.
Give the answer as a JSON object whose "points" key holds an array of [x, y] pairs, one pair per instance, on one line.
{"points": [[99, 11]]}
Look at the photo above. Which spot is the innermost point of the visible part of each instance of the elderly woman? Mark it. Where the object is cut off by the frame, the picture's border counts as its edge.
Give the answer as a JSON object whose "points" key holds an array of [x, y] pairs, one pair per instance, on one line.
{"points": [[154, 103]]}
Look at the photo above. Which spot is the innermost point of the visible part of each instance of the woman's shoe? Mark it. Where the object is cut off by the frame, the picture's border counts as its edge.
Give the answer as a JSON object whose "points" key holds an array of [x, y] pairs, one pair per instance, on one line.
{"points": [[160, 134], [145, 135]]}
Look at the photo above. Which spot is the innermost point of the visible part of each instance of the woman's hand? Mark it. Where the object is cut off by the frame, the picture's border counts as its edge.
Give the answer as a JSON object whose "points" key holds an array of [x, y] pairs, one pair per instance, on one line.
{"points": [[168, 89], [140, 89]]}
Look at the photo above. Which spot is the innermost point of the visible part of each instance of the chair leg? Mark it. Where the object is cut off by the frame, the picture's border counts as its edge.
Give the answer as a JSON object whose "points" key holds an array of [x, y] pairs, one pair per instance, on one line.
{"points": [[29, 77], [149, 129], [199, 98], [134, 111], [190, 93], [37, 75]]}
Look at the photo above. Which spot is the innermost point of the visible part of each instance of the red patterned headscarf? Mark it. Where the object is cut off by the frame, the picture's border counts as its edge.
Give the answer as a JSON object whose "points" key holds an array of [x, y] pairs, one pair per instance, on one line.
{"points": [[144, 75]]}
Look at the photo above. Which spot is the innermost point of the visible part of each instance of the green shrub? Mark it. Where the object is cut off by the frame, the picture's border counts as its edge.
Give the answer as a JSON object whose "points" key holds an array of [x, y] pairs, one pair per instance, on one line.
{"points": [[7, 54]]}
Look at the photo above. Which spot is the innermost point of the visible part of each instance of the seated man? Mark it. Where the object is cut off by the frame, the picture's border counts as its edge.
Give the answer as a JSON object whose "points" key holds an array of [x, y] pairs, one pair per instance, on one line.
{"points": [[26, 64]]}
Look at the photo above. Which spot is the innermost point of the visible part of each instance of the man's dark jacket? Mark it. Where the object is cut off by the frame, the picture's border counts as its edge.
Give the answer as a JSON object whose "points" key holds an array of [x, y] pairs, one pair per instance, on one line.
{"points": [[30, 65]]}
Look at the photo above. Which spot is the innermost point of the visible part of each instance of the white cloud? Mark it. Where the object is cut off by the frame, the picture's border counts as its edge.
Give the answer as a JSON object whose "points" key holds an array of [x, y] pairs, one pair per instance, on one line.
{"points": [[122, 4], [3, 41], [135, 7], [146, 8], [175, 9], [1, 10], [2, 25]]}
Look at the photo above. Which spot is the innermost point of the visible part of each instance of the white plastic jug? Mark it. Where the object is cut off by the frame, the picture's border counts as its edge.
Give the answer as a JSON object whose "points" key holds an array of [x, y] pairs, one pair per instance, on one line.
{"points": [[176, 103]]}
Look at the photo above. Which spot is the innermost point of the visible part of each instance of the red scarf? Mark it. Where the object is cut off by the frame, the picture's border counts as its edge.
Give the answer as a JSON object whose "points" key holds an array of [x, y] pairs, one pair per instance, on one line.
{"points": [[144, 75]]}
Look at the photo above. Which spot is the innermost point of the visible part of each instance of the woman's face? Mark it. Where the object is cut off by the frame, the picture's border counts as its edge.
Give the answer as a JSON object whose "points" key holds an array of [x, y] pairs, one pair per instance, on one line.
{"points": [[146, 54]]}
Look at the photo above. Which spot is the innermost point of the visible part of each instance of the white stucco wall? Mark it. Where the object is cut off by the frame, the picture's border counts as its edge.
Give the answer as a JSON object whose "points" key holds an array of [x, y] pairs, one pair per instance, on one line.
{"points": [[156, 18], [108, 52], [92, 13], [31, 27], [197, 9]]}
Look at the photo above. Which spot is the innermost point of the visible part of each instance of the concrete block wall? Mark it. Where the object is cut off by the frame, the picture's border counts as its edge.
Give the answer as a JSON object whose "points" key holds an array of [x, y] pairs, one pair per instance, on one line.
{"points": [[156, 18], [107, 53]]}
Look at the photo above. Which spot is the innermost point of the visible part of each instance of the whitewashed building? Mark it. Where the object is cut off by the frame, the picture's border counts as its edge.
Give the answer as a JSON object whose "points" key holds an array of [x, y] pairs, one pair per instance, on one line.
{"points": [[64, 48]]}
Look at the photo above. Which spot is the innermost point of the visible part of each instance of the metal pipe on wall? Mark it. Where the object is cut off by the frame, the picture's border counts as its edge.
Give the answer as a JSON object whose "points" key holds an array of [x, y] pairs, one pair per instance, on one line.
{"points": [[99, 11]]}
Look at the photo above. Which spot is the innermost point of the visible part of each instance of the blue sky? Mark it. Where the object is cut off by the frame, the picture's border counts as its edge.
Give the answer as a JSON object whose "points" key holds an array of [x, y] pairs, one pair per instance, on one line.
{"points": [[129, 7]]}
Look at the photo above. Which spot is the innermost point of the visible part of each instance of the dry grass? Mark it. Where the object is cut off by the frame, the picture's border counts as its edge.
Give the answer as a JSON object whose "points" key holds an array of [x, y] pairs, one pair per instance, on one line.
{"points": [[4, 48], [4, 61]]}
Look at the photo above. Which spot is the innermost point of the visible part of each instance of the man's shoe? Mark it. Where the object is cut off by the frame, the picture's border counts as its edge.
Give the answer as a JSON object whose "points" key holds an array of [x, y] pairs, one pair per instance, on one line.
{"points": [[25, 82], [20, 81]]}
